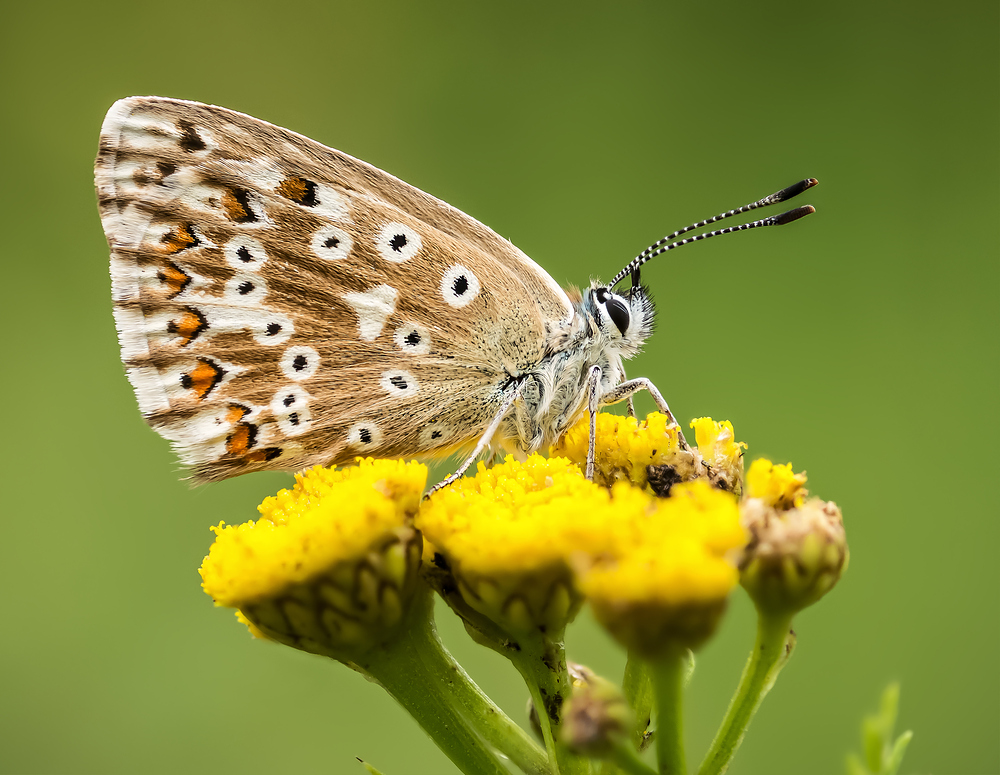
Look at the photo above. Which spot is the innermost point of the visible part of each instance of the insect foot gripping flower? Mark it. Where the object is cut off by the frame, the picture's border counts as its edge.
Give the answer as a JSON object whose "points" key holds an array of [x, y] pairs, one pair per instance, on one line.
{"points": [[798, 547], [331, 565], [652, 453]]}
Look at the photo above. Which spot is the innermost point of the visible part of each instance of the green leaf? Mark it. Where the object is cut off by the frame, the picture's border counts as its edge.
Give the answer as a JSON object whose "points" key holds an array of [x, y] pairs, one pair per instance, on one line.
{"points": [[882, 754], [369, 767], [898, 750]]}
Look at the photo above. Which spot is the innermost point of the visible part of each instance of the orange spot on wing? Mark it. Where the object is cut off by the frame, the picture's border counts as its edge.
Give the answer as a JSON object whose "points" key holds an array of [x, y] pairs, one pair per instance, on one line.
{"points": [[188, 325], [299, 190], [241, 439], [174, 278], [235, 413], [263, 455], [236, 203], [179, 238], [203, 377]]}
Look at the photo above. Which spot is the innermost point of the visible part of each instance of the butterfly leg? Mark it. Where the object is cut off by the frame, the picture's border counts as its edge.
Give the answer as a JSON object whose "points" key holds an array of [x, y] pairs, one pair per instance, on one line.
{"points": [[593, 402], [628, 389], [484, 440]]}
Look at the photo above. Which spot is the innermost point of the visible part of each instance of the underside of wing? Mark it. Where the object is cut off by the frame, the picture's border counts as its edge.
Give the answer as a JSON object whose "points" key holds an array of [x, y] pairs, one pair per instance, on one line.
{"points": [[281, 304]]}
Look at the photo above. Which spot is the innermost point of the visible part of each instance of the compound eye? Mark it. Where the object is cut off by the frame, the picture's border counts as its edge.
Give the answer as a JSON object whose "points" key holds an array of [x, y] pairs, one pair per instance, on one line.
{"points": [[619, 314]]}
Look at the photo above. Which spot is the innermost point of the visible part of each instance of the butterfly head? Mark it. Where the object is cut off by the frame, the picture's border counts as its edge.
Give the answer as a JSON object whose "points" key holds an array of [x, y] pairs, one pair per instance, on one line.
{"points": [[622, 321]]}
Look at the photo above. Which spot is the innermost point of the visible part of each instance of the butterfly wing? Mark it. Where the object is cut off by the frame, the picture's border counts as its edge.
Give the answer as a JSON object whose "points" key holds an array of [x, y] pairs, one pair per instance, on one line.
{"points": [[281, 304]]}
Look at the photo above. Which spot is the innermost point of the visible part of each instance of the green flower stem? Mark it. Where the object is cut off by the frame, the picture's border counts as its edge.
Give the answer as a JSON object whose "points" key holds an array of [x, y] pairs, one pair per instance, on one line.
{"points": [[486, 719], [627, 761], [638, 688], [541, 661], [770, 653], [399, 667], [668, 688]]}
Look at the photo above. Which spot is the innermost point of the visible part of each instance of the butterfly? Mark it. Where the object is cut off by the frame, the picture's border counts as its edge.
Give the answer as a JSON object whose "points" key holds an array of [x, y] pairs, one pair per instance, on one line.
{"points": [[280, 304]]}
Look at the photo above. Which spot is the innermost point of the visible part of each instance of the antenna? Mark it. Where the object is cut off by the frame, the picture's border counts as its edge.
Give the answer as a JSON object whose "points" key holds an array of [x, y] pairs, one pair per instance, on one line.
{"points": [[661, 246]]}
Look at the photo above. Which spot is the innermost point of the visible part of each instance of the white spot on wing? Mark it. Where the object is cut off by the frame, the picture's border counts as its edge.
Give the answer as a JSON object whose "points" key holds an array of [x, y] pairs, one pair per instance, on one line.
{"points": [[331, 203], [245, 253], [272, 328], [412, 338], [397, 242], [245, 289], [373, 309], [290, 406], [398, 383], [332, 242], [299, 362], [435, 434], [459, 286], [364, 435]]}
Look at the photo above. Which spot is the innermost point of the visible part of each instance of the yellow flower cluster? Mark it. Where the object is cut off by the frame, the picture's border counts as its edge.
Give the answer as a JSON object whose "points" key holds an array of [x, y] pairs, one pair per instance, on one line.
{"points": [[521, 536], [328, 517], [524, 542]]}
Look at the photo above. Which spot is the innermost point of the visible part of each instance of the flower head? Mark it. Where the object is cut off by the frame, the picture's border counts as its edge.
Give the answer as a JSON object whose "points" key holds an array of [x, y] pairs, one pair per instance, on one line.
{"points": [[507, 534], [663, 587], [331, 564]]}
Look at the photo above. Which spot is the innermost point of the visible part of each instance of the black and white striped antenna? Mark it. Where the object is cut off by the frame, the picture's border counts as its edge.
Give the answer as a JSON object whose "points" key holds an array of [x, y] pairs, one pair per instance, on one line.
{"points": [[662, 246]]}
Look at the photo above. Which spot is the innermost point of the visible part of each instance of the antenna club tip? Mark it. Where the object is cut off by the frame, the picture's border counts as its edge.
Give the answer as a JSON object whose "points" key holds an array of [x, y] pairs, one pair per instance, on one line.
{"points": [[810, 182], [794, 215]]}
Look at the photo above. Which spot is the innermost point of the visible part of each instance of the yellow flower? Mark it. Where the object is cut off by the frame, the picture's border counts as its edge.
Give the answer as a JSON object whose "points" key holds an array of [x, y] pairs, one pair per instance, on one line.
{"points": [[507, 534], [650, 452], [776, 485], [719, 449], [664, 586], [798, 548], [331, 564]]}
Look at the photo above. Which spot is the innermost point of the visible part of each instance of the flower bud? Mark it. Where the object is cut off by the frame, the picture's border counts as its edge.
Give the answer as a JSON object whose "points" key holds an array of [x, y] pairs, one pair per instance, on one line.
{"points": [[596, 719], [798, 547]]}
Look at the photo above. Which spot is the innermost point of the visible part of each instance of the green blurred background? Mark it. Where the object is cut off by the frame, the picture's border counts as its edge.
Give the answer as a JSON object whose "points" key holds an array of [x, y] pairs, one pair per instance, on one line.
{"points": [[859, 344]]}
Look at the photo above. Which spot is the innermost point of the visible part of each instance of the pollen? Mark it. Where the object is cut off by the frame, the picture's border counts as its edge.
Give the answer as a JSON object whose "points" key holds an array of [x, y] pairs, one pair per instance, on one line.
{"points": [[626, 447]]}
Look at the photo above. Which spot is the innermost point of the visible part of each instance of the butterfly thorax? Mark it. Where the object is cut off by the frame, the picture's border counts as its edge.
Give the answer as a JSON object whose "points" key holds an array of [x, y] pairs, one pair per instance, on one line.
{"points": [[606, 329]]}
